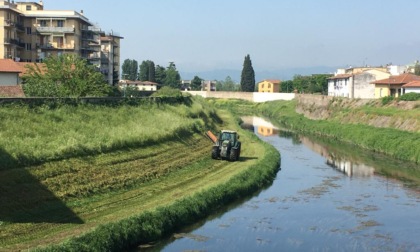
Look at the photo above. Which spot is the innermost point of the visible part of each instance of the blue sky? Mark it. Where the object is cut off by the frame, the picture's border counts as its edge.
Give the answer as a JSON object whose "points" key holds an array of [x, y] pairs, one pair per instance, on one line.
{"points": [[208, 35]]}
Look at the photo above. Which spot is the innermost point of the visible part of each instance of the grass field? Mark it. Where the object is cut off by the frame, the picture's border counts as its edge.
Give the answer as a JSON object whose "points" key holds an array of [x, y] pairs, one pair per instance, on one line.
{"points": [[98, 180]]}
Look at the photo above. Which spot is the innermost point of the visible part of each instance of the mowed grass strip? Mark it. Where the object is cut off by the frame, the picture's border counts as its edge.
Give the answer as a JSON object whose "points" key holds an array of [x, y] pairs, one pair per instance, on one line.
{"points": [[110, 187]]}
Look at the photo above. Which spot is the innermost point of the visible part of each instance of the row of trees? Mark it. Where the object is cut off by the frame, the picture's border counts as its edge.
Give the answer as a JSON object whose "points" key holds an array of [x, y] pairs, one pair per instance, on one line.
{"points": [[71, 76], [170, 76], [148, 71], [316, 83]]}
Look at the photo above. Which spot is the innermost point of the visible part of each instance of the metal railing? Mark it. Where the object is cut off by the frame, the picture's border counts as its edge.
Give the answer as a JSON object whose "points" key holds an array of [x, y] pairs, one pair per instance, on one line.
{"points": [[55, 29]]}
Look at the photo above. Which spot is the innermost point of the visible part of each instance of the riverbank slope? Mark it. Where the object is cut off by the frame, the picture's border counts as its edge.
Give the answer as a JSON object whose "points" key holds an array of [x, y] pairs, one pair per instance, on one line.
{"points": [[151, 178], [342, 120]]}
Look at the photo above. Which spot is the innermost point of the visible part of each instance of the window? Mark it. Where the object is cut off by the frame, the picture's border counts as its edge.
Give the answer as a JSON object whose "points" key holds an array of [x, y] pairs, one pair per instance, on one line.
{"points": [[60, 23], [28, 47], [28, 7], [43, 23], [28, 30]]}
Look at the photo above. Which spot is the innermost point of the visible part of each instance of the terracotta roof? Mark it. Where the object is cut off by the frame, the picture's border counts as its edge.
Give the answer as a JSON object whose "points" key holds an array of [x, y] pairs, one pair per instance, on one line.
{"points": [[11, 91], [341, 76], [412, 84], [273, 81], [24, 69], [130, 82], [149, 82], [398, 80], [9, 66]]}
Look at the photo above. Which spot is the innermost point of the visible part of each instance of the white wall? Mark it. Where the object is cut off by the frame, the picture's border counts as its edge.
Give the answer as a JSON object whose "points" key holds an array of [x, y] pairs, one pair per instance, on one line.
{"points": [[412, 90], [263, 97], [339, 87], [255, 97]]}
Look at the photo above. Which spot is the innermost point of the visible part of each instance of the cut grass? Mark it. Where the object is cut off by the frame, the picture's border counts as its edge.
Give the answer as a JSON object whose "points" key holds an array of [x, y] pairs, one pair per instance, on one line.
{"points": [[49, 203]]}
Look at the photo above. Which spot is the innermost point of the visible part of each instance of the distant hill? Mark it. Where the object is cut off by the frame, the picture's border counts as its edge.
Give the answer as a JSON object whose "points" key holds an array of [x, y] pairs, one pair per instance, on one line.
{"points": [[281, 74]]}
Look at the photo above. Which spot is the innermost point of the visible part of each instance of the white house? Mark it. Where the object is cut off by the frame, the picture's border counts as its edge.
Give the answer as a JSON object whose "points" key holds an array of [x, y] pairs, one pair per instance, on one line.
{"points": [[139, 85], [339, 85], [356, 82], [411, 87]]}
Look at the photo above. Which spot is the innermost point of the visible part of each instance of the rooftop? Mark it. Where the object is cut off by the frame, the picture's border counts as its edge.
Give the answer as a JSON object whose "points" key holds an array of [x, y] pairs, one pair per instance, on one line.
{"points": [[9, 66], [398, 80]]}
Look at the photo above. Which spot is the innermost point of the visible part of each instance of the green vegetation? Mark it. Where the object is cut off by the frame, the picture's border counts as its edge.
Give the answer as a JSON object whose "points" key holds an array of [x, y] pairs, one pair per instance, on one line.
{"points": [[410, 97], [247, 76], [387, 99], [393, 142], [113, 177], [227, 85], [69, 131], [129, 70], [64, 76], [312, 84]]}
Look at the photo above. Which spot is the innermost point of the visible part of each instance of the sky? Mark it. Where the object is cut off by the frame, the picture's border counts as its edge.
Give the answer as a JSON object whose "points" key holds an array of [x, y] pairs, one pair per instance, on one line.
{"points": [[279, 35]]}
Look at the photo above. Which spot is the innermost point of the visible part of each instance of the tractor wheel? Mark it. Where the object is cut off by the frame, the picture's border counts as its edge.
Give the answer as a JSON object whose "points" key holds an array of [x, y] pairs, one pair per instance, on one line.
{"points": [[214, 153], [233, 155], [239, 153]]}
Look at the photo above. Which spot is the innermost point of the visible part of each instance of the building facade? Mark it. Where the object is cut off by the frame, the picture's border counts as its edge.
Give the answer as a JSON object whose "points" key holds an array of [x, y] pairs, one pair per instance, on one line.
{"points": [[394, 85], [356, 82], [412, 87], [31, 34], [207, 85], [269, 86]]}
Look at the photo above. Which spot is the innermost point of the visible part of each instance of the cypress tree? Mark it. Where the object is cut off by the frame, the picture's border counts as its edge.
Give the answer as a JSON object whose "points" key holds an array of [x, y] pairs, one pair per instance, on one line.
{"points": [[247, 76]]}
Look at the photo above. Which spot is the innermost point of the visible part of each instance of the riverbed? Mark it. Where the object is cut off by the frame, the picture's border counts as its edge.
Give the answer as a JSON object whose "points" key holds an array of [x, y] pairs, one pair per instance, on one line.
{"points": [[327, 197]]}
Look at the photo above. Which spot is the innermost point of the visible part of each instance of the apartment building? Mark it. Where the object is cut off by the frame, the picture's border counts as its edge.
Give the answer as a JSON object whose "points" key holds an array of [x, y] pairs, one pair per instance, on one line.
{"points": [[31, 34]]}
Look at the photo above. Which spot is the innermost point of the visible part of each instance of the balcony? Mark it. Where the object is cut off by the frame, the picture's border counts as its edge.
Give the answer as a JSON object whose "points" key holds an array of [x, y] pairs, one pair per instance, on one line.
{"points": [[16, 42], [55, 29], [56, 46], [94, 56], [10, 23]]}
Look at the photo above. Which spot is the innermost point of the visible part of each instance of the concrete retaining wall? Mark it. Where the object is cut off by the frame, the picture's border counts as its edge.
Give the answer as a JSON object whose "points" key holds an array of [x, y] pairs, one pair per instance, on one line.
{"points": [[254, 97]]}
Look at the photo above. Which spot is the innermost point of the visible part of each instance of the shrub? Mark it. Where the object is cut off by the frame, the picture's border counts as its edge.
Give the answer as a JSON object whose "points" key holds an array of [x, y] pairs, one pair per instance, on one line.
{"points": [[167, 92], [410, 97], [387, 99]]}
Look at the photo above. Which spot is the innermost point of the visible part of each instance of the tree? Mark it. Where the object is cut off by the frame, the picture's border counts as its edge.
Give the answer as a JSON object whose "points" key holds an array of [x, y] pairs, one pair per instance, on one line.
{"points": [[227, 85], [129, 69], [64, 76], [247, 76], [286, 86], [160, 74], [172, 77], [417, 68], [152, 75], [196, 83]]}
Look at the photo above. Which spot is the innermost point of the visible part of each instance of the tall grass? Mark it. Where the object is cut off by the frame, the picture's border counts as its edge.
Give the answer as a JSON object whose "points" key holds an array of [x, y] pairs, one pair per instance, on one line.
{"points": [[31, 135]]}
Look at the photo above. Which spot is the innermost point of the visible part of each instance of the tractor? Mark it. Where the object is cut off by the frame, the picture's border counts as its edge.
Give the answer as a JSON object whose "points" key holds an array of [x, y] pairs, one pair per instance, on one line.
{"points": [[226, 146]]}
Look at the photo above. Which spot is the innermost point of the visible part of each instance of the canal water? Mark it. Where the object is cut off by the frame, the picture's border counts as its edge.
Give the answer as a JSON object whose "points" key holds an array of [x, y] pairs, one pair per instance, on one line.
{"points": [[326, 197]]}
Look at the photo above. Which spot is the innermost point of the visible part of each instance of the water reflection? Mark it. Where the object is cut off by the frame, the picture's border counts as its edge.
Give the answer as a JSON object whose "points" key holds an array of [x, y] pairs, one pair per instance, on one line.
{"points": [[344, 158], [337, 161], [312, 207]]}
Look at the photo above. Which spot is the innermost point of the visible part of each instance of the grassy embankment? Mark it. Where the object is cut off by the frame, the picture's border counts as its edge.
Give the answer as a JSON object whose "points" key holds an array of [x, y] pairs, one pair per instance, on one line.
{"points": [[398, 144], [107, 178]]}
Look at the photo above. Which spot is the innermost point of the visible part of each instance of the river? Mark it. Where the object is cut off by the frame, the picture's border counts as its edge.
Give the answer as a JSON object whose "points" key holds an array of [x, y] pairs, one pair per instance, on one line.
{"points": [[326, 197]]}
